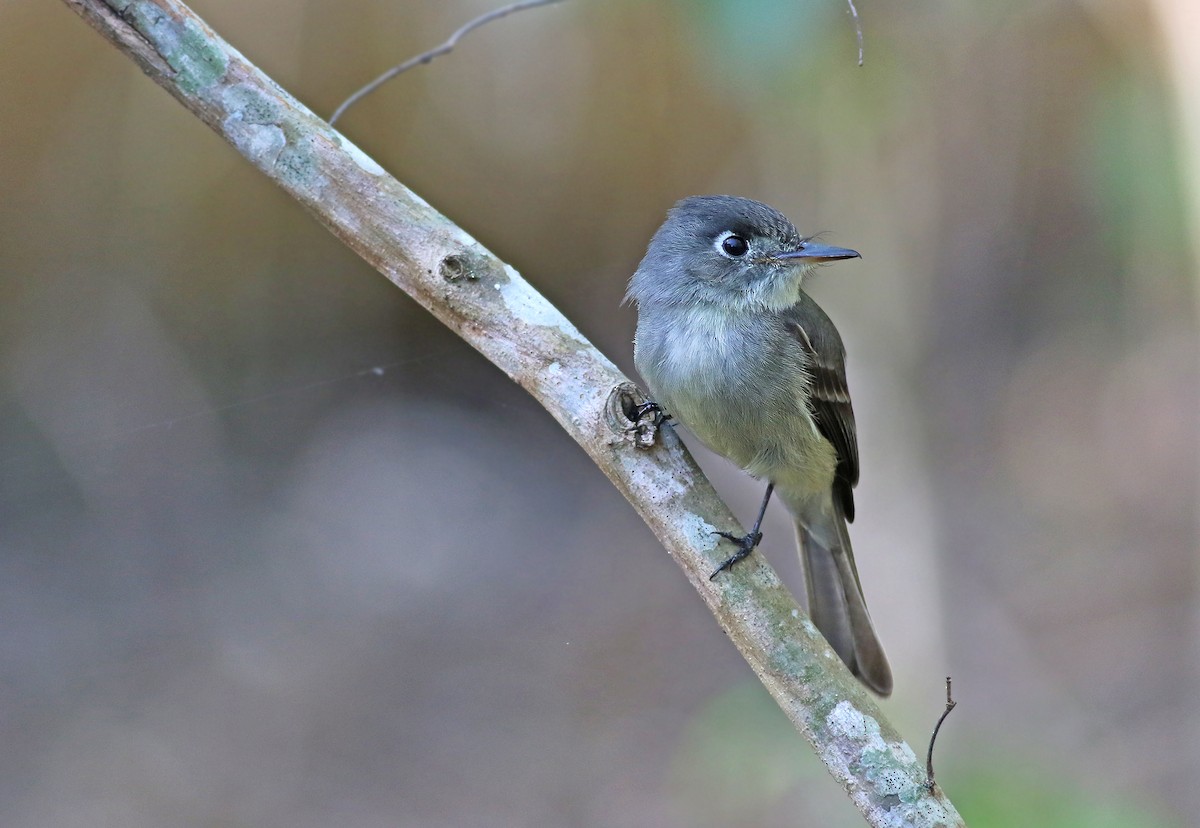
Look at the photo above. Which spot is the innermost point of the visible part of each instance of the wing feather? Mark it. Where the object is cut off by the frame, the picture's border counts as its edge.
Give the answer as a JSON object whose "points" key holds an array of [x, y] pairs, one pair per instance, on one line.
{"points": [[829, 396]]}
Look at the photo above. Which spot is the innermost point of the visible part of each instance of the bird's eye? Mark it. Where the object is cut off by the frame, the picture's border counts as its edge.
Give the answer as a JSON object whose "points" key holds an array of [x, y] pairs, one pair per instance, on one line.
{"points": [[732, 245]]}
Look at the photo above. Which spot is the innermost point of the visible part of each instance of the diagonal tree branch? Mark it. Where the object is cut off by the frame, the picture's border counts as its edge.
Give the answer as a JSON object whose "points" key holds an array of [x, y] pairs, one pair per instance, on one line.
{"points": [[487, 303]]}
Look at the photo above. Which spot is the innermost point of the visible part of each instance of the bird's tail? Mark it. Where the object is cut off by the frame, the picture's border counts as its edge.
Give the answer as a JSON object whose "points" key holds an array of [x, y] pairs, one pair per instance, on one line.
{"points": [[835, 599]]}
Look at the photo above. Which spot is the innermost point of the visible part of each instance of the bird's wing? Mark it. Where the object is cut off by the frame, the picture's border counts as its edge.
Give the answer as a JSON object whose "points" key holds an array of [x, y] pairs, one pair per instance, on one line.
{"points": [[829, 397]]}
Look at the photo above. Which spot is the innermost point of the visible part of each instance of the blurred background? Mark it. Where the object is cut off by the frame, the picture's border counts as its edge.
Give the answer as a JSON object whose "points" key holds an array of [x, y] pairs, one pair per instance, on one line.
{"points": [[278, 550]]}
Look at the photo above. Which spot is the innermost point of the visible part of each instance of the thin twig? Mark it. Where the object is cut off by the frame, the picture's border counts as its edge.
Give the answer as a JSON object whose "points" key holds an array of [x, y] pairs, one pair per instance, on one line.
{"points": [[950, 705], [857, 30], [448, 46]]}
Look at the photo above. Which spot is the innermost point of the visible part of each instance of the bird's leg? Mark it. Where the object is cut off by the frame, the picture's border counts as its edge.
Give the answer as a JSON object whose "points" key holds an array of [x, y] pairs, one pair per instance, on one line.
{"points": [[746, 543]]}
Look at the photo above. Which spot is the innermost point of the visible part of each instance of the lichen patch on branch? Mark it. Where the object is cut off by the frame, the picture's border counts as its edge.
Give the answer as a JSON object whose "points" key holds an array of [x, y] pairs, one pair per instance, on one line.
{"points": [[251, 124], [856, 739], [184, 45]]}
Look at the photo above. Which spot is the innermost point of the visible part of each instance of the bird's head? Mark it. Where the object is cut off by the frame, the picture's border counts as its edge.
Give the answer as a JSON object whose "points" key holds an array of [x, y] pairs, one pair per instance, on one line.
{"points": [[730, 251]]}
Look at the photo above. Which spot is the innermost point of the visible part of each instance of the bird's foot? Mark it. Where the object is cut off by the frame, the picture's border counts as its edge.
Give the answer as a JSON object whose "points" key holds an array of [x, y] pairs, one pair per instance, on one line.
{"points": [[745, 545], [657, 416], [645, 421]]}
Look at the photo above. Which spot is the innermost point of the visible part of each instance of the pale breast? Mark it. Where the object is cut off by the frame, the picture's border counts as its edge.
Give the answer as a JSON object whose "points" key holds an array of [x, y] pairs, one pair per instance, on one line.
{"points": [[740, 386]]}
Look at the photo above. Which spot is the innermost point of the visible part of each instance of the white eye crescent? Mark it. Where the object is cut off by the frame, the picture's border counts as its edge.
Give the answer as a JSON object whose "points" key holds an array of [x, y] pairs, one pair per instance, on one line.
{"points": [[732, 246]]}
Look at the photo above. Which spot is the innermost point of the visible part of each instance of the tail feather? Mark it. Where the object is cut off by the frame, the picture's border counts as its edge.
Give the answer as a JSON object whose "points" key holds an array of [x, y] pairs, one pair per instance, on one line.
{"points": [[835, 599]]}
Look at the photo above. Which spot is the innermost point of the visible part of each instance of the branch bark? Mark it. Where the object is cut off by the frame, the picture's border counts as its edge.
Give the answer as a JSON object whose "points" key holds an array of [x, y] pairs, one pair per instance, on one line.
{"points": [[488, 303]]}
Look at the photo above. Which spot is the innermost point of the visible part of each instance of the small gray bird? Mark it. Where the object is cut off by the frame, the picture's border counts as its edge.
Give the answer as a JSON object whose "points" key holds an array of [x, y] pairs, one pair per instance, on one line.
{"points": [[731, 346]]}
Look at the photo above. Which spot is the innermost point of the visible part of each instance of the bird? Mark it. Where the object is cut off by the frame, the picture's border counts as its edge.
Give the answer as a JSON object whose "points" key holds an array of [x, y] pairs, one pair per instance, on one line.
{"points": [[731, 346]]}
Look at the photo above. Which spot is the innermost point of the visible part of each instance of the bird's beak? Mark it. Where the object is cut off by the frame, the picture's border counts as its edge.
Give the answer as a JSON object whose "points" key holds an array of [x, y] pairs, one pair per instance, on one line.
{"points": [[814, 252]]}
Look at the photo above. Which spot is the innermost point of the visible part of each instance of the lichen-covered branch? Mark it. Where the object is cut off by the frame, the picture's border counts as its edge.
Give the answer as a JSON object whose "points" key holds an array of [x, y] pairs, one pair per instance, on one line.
{"points": [[487, 303]]}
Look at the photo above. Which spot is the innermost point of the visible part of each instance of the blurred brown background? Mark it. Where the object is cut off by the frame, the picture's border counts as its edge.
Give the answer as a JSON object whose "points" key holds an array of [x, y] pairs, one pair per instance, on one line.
{"points": [[278, 550]]}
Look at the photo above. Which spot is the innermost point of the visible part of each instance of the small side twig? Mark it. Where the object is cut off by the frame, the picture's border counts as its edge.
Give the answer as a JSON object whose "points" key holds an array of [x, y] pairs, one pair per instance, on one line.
{"points": [[448, 46], [950, 705], [857, 30]]}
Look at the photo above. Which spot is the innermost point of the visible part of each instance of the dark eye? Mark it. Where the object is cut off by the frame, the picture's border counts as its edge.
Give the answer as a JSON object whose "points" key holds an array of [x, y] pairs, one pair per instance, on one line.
{"points": [[733, 245]]}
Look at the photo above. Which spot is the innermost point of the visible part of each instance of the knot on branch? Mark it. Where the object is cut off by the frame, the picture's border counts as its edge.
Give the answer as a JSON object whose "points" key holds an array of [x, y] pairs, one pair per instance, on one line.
{"points": [[632, 416], [468, 265]]}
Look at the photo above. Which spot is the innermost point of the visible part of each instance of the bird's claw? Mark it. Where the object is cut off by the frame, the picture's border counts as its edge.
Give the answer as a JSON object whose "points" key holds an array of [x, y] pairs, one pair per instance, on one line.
{"points": [[645, 421], [649, 407], [745, 545]]}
